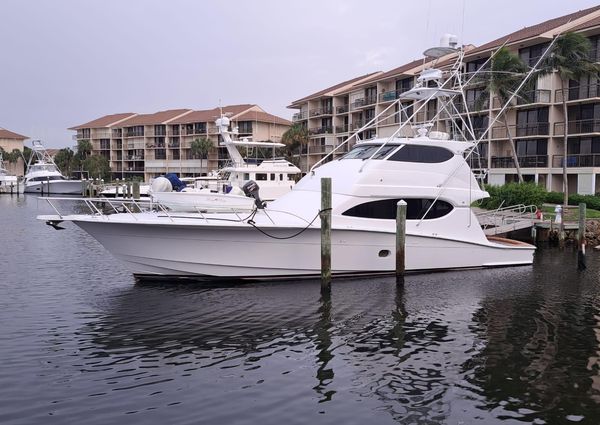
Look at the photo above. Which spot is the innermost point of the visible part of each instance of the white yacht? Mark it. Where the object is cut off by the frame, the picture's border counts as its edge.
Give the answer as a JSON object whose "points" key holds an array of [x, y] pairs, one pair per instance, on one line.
{"points": [[427, 170], [43, 176], [274, 177], [8, 182]]}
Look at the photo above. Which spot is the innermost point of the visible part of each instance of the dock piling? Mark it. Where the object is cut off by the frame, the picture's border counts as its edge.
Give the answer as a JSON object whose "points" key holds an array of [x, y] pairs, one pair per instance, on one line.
{"points": [[400, 241], [136, 190], [581, 238], [325, 215]]}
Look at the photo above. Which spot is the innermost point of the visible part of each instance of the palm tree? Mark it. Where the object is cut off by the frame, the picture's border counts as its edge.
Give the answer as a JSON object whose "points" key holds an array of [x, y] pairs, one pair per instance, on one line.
{"points": [[507, 70], [570, 59], [200, 147], [294, 138]]}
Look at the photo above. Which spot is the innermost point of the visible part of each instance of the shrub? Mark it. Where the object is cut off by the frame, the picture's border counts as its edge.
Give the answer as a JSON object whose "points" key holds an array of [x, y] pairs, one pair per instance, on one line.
{"points": [[514, 194]]}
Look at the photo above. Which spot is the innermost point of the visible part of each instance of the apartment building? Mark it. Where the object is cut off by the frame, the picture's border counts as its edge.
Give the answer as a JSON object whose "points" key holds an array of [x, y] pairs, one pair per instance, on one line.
{"points": [[536, 121], [9, 141], [144, 146]]}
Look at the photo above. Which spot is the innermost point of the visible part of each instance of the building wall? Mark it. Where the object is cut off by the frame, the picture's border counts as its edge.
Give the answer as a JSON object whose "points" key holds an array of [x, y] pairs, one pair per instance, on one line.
{"points": [[543, 167], [9, 145], [144, 152]]}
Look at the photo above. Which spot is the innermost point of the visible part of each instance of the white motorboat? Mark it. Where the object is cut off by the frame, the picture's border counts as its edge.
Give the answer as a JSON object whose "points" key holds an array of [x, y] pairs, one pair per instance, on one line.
{"points": [[43, 176], [274, 177], [8, 182], [427, 170]]}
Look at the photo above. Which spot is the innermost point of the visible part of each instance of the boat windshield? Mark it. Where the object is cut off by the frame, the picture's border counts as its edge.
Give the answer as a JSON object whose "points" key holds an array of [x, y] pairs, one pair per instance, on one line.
{"points": [[43, 167], [366, 151]]}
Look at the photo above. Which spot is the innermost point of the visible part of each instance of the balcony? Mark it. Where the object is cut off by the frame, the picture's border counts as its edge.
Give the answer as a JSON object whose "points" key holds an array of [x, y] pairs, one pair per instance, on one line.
{"points": [[135, 157], [320, 130], [117, 133], [475, 105], [364, 102], [321, 111], [578, 160], [588, 91], [424, 116], [477, 163], [390, 96], [535, 96], [342, 128], [578, 127], [522, 130], [527, 161], [299, 116], [342, 109]]}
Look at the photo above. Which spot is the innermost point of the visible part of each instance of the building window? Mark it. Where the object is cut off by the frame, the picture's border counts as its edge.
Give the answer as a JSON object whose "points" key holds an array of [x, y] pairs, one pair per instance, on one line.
{"points": [[530, 55], [160, 154], [245, 127], [476, 65], [532, 122]]}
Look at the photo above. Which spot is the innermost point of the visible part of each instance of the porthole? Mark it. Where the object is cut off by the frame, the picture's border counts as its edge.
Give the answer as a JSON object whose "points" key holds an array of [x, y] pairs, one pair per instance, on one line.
{"points": [[384, 253]]}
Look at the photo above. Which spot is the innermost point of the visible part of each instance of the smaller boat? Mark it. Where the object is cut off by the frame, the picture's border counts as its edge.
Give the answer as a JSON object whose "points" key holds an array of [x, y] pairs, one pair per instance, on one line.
{"points": [[8, 182], [238, 182], [43, 176], [118, 190]]}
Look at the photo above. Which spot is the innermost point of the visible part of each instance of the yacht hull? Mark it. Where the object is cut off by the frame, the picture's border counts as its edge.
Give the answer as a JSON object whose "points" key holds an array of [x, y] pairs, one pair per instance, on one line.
{"points": [[243, 252], [64, 187]]}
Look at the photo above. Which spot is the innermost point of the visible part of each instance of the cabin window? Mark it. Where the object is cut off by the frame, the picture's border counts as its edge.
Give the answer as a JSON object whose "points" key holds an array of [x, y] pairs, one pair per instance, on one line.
{"points": [[365, 152], [246, 176], [421, 154], [281, 177], [261, 176], [272, 176], [386, 209], [48, 178]]}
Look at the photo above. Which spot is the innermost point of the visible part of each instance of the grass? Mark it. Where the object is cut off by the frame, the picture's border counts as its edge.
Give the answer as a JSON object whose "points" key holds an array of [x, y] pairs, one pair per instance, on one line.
{"points": [[572, 213]]}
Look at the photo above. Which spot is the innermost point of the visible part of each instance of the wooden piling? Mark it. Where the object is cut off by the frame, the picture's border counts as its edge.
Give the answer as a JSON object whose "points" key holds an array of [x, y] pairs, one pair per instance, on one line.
{"points": [[400, 240], [136, 190], [325, 216], [581, 238]]}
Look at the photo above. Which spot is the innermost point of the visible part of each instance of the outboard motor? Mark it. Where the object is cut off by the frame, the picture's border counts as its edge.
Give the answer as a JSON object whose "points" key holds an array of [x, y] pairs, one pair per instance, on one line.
{"points": [[251, 190]]}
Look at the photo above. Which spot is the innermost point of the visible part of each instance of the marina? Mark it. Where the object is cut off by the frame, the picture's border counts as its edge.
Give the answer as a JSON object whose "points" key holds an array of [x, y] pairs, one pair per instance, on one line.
{"points": [[83, 340], [409, 241]]}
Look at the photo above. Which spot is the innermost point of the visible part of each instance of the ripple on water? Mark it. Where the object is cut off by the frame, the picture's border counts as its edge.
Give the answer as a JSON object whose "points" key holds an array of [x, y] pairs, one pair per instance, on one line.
{"points": [[80, 341]]}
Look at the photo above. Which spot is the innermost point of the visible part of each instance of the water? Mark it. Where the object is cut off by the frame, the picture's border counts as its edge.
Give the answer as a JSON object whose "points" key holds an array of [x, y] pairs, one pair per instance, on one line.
{"points": [[81, 343]]}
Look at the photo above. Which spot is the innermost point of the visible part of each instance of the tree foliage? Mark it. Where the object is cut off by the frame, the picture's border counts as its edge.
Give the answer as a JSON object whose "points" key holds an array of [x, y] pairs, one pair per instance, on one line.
{"points": [[97, 167], [293, 139], [507, 71], [84, 150], [65, 161]]}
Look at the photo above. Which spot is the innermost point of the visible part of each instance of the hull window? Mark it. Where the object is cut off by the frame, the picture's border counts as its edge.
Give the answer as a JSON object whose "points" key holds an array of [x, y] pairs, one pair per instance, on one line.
{"points": [[386, 209], [423, 154]]}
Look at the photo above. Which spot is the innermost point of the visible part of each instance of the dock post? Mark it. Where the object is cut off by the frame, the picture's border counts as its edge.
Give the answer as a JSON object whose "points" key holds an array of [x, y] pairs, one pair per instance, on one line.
{"points": [[325, 214], [581, 245], [11, 188], [18, 184], [47, 186], [400, 241], [136, 190]]}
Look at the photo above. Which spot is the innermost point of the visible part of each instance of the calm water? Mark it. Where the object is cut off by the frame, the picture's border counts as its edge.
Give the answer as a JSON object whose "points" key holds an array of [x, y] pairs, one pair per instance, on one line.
{"points": [[81, 343]]}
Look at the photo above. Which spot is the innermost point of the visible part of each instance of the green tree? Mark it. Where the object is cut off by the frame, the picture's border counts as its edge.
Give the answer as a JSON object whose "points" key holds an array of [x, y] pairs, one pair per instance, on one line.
{"points": [[570, 58], [65, 161], [97, 167], [84, 149], [507, 71], [27, 154], [200, 148], [14, 156], [293, 139]]}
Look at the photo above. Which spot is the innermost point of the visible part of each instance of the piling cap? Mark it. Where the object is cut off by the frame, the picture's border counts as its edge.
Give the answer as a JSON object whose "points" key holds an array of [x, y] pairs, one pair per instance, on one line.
{"points": [[401, 202]]}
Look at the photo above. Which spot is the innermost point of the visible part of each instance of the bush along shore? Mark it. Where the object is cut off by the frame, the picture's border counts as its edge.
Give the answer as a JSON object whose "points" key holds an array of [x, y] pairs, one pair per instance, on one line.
{"points": [[532, 194]]}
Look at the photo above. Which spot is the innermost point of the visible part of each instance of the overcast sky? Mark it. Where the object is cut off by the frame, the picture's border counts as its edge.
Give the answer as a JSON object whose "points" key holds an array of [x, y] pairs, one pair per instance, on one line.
{"points": [[66, 62]]}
